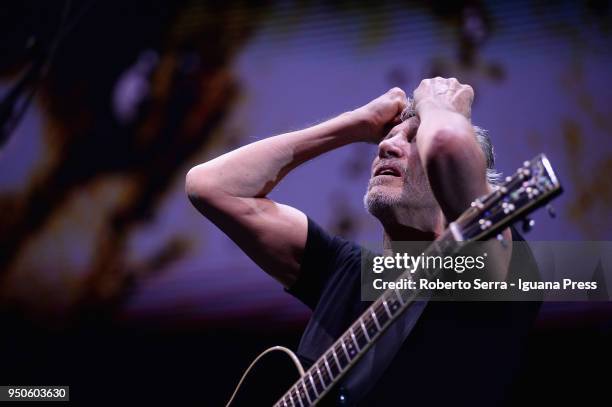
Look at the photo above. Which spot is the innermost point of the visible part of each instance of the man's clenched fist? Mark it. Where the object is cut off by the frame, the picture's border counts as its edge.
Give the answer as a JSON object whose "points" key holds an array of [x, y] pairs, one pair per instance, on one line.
{"points": [[442, 93], [381, 114]]}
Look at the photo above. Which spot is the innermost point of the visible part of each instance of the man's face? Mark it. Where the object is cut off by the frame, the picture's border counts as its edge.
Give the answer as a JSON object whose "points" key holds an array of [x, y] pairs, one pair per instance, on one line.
{"points": [[398, 184]]}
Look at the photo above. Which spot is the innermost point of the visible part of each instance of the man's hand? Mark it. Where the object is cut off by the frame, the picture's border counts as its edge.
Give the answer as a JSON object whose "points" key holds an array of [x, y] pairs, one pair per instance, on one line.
{"points": [[381, 114], [444, 94]]}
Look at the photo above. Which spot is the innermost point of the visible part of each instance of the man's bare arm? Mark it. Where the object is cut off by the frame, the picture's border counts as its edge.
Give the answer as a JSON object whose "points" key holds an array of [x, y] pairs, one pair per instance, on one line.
{"points": [[449, 151], [453, 160], [231, 190]]}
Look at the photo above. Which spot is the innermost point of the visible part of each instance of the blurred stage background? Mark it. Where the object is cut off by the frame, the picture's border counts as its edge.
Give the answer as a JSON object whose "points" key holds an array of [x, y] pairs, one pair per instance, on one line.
{"points": [[110, 281]]}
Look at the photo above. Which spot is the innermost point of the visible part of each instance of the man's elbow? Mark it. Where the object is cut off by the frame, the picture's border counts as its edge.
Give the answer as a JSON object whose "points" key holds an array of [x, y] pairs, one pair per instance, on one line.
{"points": [[198, 186], [449, 144]]}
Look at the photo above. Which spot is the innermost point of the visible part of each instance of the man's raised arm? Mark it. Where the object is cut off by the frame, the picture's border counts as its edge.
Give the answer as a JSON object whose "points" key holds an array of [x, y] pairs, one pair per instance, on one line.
{"points": [[231, 190], [449, 151], [453, 160]]}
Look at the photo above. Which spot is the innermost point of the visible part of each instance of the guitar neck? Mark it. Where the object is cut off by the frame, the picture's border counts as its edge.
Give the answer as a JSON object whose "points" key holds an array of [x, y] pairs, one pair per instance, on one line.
{"points": [[361, 335]]}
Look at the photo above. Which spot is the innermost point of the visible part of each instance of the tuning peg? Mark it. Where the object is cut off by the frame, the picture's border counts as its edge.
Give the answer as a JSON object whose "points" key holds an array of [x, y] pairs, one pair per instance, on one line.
{"points": [[551, 211], [503, 241], [528, 224]]}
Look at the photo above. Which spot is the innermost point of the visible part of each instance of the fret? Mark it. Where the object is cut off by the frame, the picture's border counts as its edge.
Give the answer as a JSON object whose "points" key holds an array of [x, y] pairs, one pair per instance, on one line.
{"points": [[371, 326], [359, 337], [347, 341], [314, 388], [365, 331], [354, 339], [393, 305], [406, 295], [384, 302], [340, 368], [291, 399], [342, 356], [319, 383], [334, 368], [348, 357], [285, 401], [316, 368], [294, 393], [310, 391], [399, 297], [381, 315], [331, 375], [323, 375], [303, 391], [375, 320]]}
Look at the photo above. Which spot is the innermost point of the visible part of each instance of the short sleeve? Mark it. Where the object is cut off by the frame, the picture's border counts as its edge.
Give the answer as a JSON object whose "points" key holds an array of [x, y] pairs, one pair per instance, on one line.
{"points": [[324, 255]]}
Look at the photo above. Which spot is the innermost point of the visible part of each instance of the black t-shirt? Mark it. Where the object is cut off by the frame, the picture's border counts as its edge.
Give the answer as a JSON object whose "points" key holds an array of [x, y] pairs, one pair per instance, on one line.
{"points": [[437, 353]]}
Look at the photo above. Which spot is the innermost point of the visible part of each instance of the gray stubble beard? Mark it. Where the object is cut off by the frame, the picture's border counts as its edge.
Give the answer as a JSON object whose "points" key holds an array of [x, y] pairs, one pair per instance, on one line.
{"points": [[416, 195]]}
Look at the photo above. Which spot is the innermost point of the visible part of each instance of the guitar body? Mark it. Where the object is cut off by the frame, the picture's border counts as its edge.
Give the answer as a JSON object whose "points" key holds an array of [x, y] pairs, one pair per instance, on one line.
{"points": [[267, 381]]}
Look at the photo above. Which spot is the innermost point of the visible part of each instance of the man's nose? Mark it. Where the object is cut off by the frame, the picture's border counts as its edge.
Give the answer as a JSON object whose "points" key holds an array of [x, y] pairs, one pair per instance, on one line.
{"points": [[388, 148]]}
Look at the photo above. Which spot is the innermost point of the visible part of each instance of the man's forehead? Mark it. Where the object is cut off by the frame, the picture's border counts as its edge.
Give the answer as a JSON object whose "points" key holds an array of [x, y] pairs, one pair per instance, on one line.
{"points": [[409, 125]]}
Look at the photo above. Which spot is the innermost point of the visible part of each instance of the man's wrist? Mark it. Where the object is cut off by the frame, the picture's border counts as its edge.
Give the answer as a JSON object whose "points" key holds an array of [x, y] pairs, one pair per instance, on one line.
{"points": [[425, 109], [361, 126]]}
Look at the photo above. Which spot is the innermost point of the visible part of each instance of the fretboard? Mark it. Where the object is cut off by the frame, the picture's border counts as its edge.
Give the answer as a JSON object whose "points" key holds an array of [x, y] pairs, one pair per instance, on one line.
{"points": [[361, 335]]}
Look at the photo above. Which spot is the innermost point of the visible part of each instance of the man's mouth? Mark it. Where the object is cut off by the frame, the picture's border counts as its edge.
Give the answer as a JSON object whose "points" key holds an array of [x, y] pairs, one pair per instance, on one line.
{"points": [[387, 169]]}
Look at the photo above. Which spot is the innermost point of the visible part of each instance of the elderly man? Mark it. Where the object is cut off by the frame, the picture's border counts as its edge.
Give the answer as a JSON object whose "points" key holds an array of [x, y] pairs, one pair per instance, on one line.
{"points": [[431, 164]]}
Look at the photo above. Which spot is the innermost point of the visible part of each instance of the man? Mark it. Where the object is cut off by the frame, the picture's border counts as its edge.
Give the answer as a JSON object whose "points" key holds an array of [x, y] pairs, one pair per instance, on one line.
{"points": [[429, 168]]}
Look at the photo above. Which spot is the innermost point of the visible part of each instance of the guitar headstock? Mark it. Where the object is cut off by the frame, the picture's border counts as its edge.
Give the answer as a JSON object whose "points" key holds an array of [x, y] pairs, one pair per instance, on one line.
{"points": [[533, 185]]}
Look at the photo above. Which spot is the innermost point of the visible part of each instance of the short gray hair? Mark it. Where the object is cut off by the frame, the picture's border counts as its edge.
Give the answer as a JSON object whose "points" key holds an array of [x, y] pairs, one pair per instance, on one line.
{"points": [[482, 136]]}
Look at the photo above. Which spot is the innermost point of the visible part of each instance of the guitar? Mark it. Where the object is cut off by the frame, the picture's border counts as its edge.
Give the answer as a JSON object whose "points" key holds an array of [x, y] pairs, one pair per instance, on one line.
{"points": [[533, 185]]}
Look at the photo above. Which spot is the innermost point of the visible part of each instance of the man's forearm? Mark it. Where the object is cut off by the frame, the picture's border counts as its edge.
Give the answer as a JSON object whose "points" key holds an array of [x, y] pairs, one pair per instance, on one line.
{"points": [[255, 169], [452, 158], [438, 123], [231, 190], [449, 152]]}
